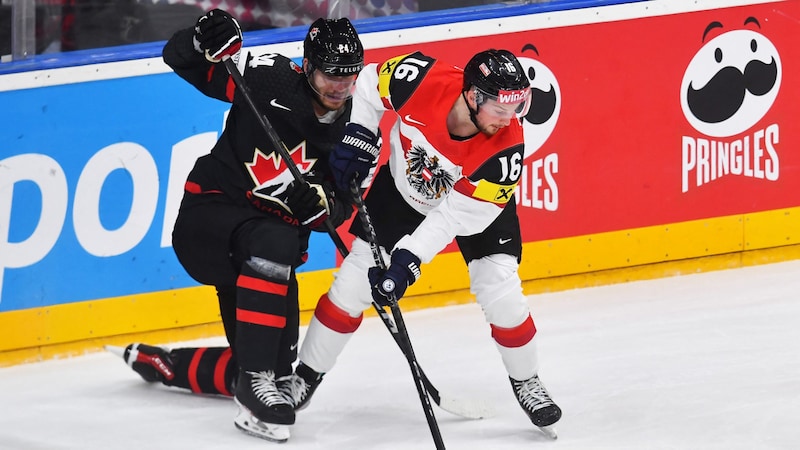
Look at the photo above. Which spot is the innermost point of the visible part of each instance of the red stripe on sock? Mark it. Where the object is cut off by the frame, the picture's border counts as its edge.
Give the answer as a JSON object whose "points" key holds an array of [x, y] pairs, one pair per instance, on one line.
{"points": [[219, 372], [334, 317], [193, 370], [257, 318], [515, 337], [257, 284]]}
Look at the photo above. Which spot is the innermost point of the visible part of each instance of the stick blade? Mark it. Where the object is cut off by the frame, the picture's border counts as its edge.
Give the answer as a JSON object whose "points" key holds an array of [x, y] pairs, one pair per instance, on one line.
{"points": [[467, 408], [119, 351]]}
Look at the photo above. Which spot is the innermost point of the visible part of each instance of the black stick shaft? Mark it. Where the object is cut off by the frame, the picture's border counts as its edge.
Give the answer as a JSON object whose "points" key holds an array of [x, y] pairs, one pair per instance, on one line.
{"points": [[403, 338]]}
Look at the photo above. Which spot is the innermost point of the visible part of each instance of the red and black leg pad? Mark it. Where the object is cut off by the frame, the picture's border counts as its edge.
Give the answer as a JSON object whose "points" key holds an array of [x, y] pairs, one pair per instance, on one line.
{"points": [[204, 370], [261, 317]]}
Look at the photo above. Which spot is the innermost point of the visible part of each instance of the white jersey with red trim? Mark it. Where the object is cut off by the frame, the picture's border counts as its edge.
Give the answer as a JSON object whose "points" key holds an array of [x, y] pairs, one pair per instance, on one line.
{"points": [[459, 184]]}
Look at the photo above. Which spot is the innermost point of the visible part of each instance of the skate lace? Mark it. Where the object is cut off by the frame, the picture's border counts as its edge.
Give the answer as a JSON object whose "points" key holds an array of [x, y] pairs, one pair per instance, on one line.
{"points": [[264, 388], [532, 394], [294, 388]]}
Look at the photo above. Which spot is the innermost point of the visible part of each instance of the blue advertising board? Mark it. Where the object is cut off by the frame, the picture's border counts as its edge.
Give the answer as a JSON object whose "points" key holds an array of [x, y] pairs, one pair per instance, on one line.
{"points": [[91, 176]]}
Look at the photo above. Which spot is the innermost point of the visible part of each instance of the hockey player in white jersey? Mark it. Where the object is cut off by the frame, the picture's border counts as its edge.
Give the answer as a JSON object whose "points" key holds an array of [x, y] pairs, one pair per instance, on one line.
{"points": [[456, 158]]}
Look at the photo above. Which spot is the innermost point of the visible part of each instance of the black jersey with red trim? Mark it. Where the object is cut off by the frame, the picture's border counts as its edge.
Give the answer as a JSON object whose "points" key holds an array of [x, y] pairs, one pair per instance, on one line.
{"points": [[243, 163], [460, 185]]}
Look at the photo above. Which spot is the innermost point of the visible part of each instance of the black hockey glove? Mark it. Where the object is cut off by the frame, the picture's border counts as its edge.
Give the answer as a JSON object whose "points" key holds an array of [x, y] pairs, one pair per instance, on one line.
{"points": [[354, 156], [339, 209], [217, 34], [308, 202], [403, 271]]}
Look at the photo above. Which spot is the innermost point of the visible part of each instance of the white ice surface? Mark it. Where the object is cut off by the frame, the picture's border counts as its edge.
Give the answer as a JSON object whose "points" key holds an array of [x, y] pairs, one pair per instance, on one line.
{"points": [[706, 361]]}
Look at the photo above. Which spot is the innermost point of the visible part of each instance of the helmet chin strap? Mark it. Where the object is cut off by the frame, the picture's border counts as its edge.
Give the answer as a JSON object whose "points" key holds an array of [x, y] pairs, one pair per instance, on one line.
{"points": [[473, 113], [318, 96]]}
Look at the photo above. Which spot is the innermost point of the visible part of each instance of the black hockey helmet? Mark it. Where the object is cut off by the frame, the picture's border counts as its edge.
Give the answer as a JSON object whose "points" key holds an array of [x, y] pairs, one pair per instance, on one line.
{"points": [[333, 46], [498, 75]]}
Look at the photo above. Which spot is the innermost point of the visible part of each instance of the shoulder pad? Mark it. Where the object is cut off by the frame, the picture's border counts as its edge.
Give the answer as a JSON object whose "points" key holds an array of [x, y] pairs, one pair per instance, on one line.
{"points": [[399, 77], [273, 60], [498, 176]]}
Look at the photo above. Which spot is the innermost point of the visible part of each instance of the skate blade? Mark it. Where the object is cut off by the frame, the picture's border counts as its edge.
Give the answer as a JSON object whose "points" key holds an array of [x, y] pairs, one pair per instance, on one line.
{"points": [[246, 422], [549, 431]]}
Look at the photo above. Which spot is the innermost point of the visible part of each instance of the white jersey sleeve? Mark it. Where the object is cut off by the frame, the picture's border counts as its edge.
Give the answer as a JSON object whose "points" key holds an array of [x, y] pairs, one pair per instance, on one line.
{"points": [[457, 215], [367, 105]]}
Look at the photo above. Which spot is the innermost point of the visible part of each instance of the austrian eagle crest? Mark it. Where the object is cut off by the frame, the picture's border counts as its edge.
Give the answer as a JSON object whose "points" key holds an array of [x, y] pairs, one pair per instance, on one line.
{"points": [[425, 174]]}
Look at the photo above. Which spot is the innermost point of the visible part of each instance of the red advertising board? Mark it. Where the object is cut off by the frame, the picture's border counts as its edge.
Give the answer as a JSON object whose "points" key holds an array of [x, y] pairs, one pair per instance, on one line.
{"points": [[653, 120]]}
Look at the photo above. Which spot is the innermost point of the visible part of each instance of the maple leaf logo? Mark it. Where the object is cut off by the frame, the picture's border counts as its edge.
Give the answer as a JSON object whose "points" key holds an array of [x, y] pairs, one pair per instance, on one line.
{"points": [[271, 177]]}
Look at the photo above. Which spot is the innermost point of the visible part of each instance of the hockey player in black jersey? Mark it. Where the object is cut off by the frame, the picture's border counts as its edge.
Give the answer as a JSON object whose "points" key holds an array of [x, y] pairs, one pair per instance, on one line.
{"points": [[244, 223]]}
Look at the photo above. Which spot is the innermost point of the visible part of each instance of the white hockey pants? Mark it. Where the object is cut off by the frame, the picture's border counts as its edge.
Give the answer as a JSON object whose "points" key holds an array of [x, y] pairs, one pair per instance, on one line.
{"points": [[494, 281]]}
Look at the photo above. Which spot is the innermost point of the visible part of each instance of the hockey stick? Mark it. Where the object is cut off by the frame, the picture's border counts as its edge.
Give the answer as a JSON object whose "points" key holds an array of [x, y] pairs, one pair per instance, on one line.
{"points": [[469, 409], [459, 407], [400, 332]]}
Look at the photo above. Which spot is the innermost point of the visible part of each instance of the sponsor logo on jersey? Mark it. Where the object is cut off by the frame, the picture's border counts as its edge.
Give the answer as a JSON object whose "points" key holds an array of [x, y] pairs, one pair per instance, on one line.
{"points": [[274, 103], [408, 118], [385, 74], [493, 192]]}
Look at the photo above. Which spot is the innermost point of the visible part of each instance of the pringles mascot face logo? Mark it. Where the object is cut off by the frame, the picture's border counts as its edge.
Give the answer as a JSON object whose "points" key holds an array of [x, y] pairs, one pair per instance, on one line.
{"points": [[545, 103], [732, 81], [538, 188]]}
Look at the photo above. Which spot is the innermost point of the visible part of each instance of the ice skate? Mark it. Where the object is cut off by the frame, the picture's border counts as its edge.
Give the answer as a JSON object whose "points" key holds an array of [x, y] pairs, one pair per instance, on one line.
{"points": [[151, 363], [263, 411], [537, 404], [298, 387]]}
